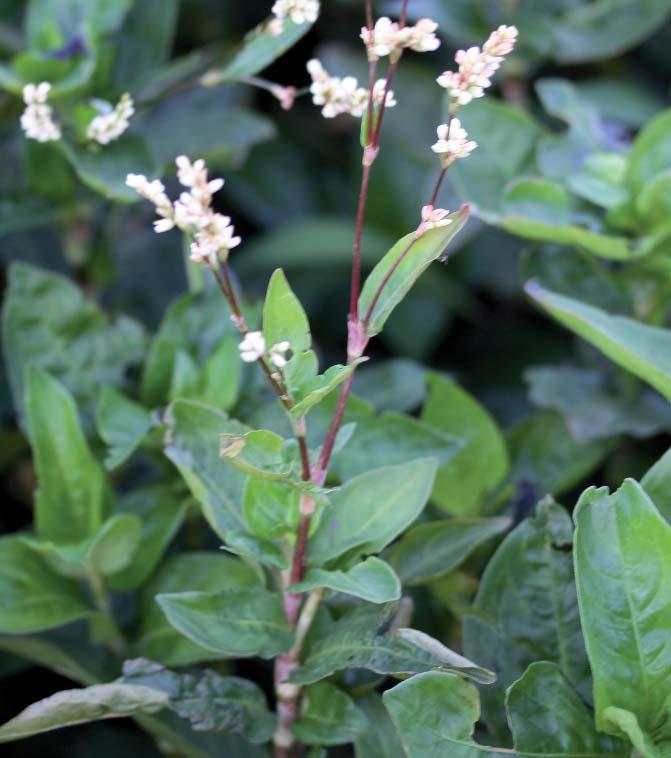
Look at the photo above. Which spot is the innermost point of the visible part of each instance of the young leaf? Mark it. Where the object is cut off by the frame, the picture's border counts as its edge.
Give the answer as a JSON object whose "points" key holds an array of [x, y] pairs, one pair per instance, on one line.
{"points": [[74, 495], [122, 424], [201, 571], [259, 453], [210, 701], [428, 551], [371, 509], [526, 609], [429, 247], [372, 580], [548, 718], [70, 707], [622, 546], [245, 622], [271, 508], [482, 462], [283, 316], [315, 388], [33, 596], [328, 717], [650, 153], [644, 350]]}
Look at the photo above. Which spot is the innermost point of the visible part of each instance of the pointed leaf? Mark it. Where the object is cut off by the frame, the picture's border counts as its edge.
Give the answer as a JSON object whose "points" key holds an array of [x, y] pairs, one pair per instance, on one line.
{"points": [[283, 316], [122, 424], [372, 580]]}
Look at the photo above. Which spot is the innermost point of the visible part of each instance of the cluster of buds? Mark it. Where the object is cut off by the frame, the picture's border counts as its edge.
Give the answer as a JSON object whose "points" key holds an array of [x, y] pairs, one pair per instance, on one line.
{"points": [[477, 66], [432, 218], [343, 95], [253, 347], [388, 37], [213, 234], [110, 125], [298, 11], [453, 143], [37, 120]]}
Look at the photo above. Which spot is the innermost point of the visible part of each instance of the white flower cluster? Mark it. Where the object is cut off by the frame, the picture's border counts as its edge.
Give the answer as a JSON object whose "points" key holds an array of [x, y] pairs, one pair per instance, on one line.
{"points": [[213, 234], [107, 127], [253, 347], [476, 66], [37, 120], [388, 37], [343, 95], [453, 142], [299, 11]]}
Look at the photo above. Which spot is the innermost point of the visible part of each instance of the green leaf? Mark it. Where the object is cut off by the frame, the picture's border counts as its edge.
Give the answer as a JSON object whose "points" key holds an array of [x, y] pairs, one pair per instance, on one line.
{"points": [[643, 350], [74, 495], [651, 152], [622, 546], [70, 707], [354, 641], [370, 510], [33, 596], [435, 714], [428, 551], [396, 384], [478, 468], [219, 383], [657, 484], [652, 203], [204, 572], [241, 623], [210, 701], [259, 453], [526, 609], [122, 424], [429, 247], [249, 546], [69, 337], [372, 580], [271, 508], [161, 511], [51, 23], [379, 740], [284, 317], [315, 387], [548, 718], [393, 438], [328, 717], [192, 444]]}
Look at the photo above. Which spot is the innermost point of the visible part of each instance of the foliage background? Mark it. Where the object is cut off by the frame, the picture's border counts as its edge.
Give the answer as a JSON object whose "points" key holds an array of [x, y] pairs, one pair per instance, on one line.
{"points": [[291, 186]]}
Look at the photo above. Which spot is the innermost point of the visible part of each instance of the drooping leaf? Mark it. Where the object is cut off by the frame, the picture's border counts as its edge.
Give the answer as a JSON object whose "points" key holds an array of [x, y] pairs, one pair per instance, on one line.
{"points": [[371, 509], [70, 707], [241, 622], [328, 716], [122, 424], [430, 550], [621, 549], [482, 462], [74, 495], [372, 580]]}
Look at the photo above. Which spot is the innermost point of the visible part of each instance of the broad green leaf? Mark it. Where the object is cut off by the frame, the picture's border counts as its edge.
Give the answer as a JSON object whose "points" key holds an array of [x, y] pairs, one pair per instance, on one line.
{"points": [[537, 199], [643, 350], [74, 495], [481, 464], [200, 571], [657, 484], [396, 384], [69, 337], [259, 453], [161, 511], [249, 546], [122, 424], [284, 317], [241, 622], [355, 641], [526, 609], [548, 718], [422, 252], [435, 714], [430, 550], [546, 456], [192, 444], [393, 438], [70, 707], [33, 596], [372, 580], [379, 739], [210, 701], [622, 545], [313, 389], [370, 510], [328, 716], [271, 508]]}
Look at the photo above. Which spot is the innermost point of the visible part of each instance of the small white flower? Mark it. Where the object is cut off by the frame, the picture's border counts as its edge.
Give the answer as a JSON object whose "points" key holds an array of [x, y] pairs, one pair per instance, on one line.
{"points": [[299, 11], [343, 95], [107, 127], [387, 37], [286, 96], [501, 41], [453, 142], [37, 120], [432, 218], [252, 347], [278, 354], [422, 36]]}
